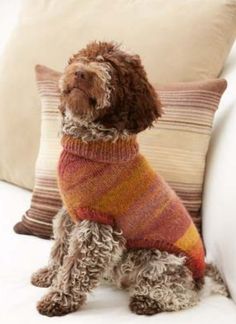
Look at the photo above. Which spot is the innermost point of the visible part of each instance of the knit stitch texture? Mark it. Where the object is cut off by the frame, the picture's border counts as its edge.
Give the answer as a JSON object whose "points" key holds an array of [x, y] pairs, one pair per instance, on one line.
{"points": [[112, 183]]}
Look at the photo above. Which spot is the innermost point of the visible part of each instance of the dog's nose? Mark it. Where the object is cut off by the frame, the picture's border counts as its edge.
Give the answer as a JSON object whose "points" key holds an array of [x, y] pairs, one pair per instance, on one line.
{"points": [[82, 75]]}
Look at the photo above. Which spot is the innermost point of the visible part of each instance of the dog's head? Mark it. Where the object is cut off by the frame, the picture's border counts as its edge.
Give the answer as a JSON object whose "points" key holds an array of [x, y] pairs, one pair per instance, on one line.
{"points": [[106, 85]]}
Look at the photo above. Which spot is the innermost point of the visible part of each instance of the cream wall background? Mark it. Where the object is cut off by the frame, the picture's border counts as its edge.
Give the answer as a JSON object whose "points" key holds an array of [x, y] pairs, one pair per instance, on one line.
{"points": [[192, 43], [9, 11]]}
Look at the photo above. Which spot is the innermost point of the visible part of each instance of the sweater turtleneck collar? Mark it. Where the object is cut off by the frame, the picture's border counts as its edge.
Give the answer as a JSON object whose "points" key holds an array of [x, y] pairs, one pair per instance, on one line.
{"points": [[121, 150]]}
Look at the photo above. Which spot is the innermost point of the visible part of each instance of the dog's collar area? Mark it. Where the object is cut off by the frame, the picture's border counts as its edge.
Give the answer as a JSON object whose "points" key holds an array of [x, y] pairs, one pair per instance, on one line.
{"points": [[122, 150]]}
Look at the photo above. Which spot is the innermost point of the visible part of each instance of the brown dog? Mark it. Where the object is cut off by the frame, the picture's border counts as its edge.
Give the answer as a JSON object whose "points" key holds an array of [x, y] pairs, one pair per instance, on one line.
{"points": [[105, 96]]}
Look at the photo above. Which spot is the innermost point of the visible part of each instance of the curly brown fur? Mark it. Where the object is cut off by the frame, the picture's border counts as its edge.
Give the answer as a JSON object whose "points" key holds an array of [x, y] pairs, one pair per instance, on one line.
{"points": [[105, 95], [157, 281], [90, 131], [214, 282], [103, 70], [62, 226], [92, 249], [57, 304]]}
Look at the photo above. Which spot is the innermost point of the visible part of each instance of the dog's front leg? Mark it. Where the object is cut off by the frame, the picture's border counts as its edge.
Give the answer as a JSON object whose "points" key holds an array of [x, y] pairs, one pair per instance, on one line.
{"points": [[62, 227], [92, 248]]}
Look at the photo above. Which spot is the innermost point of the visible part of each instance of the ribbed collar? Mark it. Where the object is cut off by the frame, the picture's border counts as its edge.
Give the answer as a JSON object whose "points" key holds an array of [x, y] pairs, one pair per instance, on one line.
{"points": [[121, 150]]}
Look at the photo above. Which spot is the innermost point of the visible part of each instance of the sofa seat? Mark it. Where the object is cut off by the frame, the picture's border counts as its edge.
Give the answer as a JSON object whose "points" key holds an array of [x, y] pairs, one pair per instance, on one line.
{"points": [[21, 255]]}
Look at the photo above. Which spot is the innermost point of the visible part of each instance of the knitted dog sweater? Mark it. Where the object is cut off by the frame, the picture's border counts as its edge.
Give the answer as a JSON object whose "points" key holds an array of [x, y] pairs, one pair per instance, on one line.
{"points": [[112, 183]]}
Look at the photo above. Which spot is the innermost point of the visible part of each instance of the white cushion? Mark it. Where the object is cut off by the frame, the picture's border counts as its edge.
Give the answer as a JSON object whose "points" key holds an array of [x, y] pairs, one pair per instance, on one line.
{"points": [[219, 201]]}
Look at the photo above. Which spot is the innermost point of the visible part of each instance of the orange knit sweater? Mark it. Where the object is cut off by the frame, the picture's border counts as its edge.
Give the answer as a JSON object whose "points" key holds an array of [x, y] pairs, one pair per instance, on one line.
{"points": [[112, 183]]}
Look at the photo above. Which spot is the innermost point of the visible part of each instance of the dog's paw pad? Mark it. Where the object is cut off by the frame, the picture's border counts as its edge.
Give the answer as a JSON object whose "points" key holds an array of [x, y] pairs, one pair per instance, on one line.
{"points": [[43, 277], [143, 305], [58, 304]]}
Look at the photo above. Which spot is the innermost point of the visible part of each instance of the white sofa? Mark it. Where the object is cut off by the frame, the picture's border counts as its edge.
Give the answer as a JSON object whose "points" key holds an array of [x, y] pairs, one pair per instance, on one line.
{"points": [[21, 255], [219, 199]]}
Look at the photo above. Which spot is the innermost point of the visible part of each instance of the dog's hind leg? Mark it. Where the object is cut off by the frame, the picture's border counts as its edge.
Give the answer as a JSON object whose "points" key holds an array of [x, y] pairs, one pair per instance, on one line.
{"points": [[62, 226], [93, 248], [157, 281]]}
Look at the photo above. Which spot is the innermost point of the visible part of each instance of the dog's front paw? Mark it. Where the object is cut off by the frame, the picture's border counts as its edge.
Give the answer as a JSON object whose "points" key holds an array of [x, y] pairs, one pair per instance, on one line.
{"points": [[144, 305], [57, 303], [43, 277]]}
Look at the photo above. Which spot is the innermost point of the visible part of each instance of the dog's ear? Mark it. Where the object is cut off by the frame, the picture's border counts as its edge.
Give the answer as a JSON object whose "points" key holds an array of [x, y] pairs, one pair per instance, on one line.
{"points": [[145, 107], [144, 104], [136, 104], [137, 112]]}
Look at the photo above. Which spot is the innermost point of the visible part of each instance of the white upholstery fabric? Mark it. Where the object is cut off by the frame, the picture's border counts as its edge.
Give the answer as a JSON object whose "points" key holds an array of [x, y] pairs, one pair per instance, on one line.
{"points": [[21, 255], [219, 200]]}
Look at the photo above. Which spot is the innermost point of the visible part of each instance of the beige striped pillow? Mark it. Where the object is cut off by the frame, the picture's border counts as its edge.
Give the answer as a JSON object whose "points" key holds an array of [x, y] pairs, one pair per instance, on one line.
{"points": [[176, 147], [45, 199]]}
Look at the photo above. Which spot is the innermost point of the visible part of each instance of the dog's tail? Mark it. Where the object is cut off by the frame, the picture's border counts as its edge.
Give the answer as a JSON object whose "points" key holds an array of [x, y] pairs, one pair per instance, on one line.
{"points": [[214, 284]]}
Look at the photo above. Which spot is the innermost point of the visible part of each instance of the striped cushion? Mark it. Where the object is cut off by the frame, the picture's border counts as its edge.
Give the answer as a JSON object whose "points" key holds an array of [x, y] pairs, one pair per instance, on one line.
{"points": [[176, 147], [45, 199]]}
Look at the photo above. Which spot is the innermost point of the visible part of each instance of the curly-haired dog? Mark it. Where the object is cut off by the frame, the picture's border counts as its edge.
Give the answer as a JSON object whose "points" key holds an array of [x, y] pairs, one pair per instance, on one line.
{"points": [[121, 220]]}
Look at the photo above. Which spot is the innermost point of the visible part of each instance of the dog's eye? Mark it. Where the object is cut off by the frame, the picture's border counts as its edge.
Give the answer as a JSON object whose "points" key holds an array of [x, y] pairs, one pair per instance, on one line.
{"points": [[93, 101]]}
